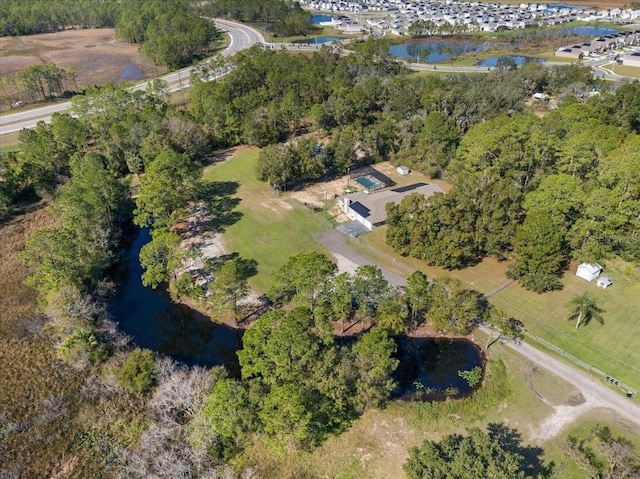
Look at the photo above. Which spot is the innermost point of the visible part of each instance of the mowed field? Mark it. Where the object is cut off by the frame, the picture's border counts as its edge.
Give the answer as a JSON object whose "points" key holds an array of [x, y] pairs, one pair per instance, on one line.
{"points": [[613, 347], [271, 228]]}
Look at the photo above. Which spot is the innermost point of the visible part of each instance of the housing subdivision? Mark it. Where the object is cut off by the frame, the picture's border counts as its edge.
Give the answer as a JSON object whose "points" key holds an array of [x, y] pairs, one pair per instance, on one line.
{"points": [[613, 44], [402, 17]]}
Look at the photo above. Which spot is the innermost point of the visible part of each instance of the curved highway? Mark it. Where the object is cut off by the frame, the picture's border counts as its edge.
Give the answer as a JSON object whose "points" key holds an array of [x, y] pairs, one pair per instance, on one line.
{"points": [[241, 37]]}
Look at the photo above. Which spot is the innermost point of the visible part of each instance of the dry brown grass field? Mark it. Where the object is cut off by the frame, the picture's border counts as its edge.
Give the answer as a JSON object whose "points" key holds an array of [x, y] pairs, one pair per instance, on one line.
{"points": [[95, 54]]}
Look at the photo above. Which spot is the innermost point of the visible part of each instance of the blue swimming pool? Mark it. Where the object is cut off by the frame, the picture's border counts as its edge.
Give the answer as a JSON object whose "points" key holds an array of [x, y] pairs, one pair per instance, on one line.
{"points": [[369, 183]]}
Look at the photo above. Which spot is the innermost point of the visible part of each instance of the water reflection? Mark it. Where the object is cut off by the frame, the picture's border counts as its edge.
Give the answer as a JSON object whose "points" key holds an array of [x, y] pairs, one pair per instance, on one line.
{"points": [[155, 323], [429, 368]]}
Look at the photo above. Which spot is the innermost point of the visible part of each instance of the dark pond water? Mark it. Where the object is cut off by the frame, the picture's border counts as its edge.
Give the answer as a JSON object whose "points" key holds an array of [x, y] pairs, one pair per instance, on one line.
{"points": [[429, 368], [154, 322], [319, 18], [437, 51], [317, 40], [175, 330], [519, 60]]}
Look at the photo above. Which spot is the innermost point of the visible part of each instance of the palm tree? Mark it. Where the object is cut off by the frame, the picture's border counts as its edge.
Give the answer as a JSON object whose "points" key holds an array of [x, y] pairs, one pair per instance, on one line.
{"points": [[584, 309]]}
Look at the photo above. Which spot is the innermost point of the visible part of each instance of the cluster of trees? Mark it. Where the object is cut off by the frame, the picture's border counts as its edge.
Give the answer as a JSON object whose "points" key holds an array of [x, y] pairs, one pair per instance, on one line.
{"points": [[42, 82], [498, 453], [28, 17], [539, 190], [368, 103], [285, 18], [170, 33]]}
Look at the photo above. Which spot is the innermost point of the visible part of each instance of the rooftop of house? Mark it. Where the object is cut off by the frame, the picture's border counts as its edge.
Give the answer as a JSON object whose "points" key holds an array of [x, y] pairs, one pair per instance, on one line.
{"points": [[371, 206]]}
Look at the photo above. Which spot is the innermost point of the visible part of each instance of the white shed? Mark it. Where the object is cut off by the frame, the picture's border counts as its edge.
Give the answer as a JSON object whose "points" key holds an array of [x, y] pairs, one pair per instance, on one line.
{"points": [[589, 271], [403, 170], [604, 282]]}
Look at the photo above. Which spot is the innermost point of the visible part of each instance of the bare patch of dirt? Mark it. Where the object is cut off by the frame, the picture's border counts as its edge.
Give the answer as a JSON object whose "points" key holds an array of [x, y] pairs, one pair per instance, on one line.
{"points": [[319, 195], [97, 57]]}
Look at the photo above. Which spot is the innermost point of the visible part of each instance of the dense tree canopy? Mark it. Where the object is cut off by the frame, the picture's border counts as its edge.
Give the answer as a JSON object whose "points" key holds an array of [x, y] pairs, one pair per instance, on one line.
{"points": [[27, 17], [285, 18], [498, 454]]}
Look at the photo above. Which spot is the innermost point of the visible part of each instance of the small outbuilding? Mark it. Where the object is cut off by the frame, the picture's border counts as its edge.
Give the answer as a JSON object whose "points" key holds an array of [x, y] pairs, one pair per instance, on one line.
{"points": [[403, 170], [604, 282], [589, 271]]}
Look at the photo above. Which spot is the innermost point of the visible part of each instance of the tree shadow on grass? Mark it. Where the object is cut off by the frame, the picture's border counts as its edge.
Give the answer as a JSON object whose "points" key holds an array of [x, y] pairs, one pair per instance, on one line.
{"points": [[511, 440], [222, 204]]}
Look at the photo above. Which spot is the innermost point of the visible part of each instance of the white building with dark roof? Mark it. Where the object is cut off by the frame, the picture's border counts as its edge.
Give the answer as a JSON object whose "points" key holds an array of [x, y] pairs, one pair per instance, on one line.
{"points": [[369, 209]]}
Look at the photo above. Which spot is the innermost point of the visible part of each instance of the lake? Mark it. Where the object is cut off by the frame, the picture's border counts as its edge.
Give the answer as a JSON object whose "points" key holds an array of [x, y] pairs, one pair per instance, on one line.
{"points": [[150, 318], [319, 18], [438, 50]]}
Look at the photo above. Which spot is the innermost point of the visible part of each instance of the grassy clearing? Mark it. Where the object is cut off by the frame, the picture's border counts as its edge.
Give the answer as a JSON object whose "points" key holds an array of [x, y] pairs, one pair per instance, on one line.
{"points": [[556, 447], [10, 142], [271, 229], [627, 71], [609, 348]]}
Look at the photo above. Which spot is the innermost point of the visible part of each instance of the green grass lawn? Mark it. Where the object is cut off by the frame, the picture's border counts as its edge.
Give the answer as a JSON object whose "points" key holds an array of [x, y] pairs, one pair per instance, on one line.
{"points": [[271, 229], [613, 347], [624, 70]]}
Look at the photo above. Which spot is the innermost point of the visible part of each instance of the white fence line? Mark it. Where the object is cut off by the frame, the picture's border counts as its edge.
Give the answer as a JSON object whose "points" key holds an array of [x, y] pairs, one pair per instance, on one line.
{"points": [[625, 387]]}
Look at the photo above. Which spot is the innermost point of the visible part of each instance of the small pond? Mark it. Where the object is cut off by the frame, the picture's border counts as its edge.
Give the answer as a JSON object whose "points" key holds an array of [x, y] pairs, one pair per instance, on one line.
{"points": [[586, 30], [319, 18], [317, 40], [437, 51], [428, 369], [518, 60], [150, 318], [132, 72]]}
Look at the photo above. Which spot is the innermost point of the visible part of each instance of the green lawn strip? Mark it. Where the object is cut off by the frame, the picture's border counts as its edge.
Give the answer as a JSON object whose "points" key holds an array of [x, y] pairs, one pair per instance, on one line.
{"points": [[624, 70], [10, 142], [613, 347], [10, 148], [270, 230]]}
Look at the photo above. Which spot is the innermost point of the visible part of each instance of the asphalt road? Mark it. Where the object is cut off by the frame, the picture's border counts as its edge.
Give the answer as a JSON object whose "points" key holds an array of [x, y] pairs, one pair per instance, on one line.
{"points": [[241, 37], [596, 394]]}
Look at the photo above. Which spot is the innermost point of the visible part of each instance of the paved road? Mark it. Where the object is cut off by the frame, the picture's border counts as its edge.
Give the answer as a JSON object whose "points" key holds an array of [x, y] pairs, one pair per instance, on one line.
{"points": [[240, 37], [349, 259], [596, 394]]}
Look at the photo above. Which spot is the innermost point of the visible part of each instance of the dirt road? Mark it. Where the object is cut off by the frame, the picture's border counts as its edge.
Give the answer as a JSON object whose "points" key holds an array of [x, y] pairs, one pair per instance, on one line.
{"points": [[596, 394]]}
